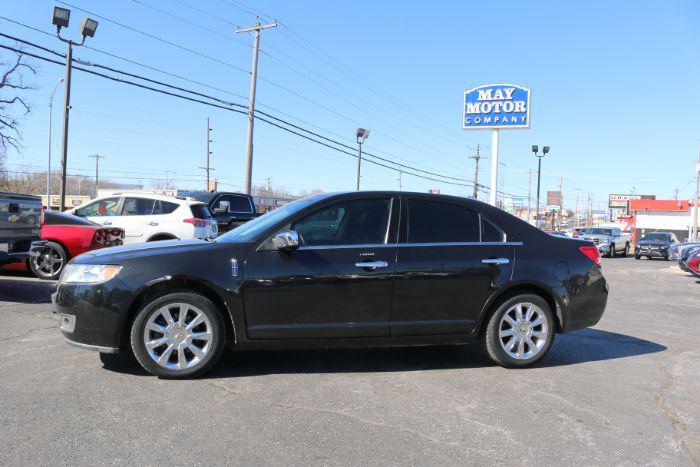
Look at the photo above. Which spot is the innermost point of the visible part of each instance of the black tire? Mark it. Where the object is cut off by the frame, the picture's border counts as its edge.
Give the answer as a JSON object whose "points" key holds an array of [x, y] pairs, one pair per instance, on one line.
{"points": [[215, 327], [611, 253], [626, 251], [637, 257], [492, 342], [46, 266]]}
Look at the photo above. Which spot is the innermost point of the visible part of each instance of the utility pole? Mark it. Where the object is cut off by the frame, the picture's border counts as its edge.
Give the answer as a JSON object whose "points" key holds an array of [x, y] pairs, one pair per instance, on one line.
{"points": [[208, 168], [578, 191], [97, 158], [399, 178], [696, 214], [561, 199], [529, 194], [269, 184], [476, 158], [251, 105]]}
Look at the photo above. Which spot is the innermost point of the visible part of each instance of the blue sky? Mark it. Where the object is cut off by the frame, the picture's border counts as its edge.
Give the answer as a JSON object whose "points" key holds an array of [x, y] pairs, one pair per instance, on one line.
{"points": [[614, 91]]}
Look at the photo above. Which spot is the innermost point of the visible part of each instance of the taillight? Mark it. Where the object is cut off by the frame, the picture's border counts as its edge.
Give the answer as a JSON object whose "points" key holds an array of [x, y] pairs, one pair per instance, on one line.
{"points": [[591, 253], [107, 237], [694, 264], [197, 222]]}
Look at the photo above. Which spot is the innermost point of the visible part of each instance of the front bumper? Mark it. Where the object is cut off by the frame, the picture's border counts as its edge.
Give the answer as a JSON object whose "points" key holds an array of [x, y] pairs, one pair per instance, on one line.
{"points": [[92, 316], [651, 252]]}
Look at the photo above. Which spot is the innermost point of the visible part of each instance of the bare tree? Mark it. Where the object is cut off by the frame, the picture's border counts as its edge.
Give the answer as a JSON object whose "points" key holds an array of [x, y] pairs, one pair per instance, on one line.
{"points": [[13, 82]]}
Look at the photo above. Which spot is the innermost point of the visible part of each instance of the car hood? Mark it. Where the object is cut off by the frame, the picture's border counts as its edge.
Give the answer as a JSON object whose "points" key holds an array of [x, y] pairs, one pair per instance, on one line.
{"points": [[117, 254]]}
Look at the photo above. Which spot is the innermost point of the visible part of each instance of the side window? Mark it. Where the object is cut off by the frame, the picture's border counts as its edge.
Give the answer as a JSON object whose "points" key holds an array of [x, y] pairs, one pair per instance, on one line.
{"points": [[138, 207], [232, 203], [436, 222], [356, 222], [163, 207], [491, 233], [103, 207]]}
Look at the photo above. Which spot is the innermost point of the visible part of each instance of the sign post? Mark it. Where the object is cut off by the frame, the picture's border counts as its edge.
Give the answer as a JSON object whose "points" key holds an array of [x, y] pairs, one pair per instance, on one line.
{"points": [[495, 107]]}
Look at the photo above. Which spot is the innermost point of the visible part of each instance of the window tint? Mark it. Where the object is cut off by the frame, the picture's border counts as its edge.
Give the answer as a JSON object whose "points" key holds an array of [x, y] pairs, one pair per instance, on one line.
{"points": [[435, 222], [138, 207], [103, 207], [235, 204], [348, 223], [491, 233]]}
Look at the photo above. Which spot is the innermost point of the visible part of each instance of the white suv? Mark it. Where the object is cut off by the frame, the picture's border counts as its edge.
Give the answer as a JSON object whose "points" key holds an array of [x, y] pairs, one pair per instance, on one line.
{"points": [[150, 217]]}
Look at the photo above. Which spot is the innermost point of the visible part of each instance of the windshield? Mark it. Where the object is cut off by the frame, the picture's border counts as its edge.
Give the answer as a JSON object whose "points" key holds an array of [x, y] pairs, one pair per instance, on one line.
{"points": [[250, 229], [599, 231], [657, 237]]}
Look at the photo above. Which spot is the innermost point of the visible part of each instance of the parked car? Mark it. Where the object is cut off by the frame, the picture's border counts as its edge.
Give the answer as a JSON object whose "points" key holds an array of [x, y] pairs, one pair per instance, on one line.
{"points": [[693, 264], [655, 245], [150, 217], [685, 255], [337, 270], [576, 232], [20, 226], [229, 209], [556, 233], [609, 240], [68, 236], [674, 253]]}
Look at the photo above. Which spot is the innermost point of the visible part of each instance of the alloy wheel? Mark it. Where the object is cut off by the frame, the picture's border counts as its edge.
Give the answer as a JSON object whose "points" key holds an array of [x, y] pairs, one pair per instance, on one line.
{"points": [[49, 264], [178, 336], [523, 331]]}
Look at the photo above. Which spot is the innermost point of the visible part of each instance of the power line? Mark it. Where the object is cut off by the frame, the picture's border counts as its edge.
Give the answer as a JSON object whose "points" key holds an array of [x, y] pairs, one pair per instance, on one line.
{"points": [[220, 103]]}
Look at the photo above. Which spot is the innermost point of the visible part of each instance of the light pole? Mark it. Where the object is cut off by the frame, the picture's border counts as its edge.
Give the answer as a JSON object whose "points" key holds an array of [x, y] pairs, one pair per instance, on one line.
{"points": [[61, 18], [48, 171], [545, 150], [361, 135]]}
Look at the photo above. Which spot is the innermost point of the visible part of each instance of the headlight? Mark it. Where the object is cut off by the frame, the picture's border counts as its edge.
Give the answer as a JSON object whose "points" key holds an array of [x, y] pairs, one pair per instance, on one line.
{"points": [[88, 273]]}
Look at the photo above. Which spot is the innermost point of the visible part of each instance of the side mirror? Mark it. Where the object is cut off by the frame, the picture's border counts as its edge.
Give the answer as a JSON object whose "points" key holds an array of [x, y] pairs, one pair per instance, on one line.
{"points": [[286, 240]]}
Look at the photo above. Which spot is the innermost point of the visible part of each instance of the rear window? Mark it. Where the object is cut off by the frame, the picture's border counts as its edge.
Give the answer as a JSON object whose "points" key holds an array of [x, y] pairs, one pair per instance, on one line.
{"points": [[235, 204], [200, 211], [60, 218]]}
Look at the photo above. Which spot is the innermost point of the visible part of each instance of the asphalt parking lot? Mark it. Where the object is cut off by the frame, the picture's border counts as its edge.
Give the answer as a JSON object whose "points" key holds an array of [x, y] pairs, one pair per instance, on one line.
{"points": [[625, 391]]}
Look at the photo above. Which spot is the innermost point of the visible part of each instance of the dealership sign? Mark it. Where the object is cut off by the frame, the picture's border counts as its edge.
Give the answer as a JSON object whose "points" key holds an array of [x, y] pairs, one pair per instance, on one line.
{"points": [[494, 106], [617, 201]]}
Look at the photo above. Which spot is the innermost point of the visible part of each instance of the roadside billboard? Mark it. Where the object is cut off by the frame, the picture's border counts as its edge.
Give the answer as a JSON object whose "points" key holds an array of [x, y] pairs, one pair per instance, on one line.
{"points": [[554, 198], [494, 106]]}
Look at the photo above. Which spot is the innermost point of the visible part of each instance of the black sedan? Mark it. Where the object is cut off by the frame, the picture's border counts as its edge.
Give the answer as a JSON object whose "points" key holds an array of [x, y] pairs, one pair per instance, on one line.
{"points": [[337, 270]]}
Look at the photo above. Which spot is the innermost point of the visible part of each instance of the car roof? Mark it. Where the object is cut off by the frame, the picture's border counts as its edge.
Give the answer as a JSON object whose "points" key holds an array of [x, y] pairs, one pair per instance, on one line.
{"points": [[172, 199]]}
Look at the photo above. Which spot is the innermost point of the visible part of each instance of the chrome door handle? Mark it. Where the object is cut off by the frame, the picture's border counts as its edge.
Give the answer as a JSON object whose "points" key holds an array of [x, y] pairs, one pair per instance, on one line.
{"points": [[153, 223], [106, 223], [372, 264], [495, 261]]}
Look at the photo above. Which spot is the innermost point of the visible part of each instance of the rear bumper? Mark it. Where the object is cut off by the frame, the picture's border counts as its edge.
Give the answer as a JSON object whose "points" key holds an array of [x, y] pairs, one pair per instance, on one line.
{"points": [[583, 305]]}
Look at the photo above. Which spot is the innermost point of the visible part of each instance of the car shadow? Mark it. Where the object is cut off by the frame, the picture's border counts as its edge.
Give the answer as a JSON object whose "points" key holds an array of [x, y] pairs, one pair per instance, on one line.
{"points": [[588, 345], [24, 288]]}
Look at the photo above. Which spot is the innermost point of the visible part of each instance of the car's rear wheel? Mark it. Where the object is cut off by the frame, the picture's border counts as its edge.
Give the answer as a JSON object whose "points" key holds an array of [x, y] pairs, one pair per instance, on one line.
{"points": [[178, 335], [611, 253], [626, 251], [520, 332], [50, 264]]}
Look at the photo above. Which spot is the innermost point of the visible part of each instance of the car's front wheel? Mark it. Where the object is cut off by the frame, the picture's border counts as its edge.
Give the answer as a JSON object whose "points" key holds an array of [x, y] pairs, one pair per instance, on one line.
{"points": [[520, 331], [178, 335]]}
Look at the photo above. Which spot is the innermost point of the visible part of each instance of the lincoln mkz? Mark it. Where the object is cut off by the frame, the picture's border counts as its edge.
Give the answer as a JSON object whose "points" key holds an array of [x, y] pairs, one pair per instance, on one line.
{"points": [[336, 270]]}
